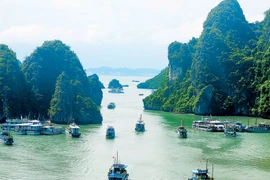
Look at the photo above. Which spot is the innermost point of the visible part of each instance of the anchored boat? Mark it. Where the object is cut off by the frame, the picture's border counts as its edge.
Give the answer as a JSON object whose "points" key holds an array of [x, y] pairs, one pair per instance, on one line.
{"points": [[230, 130], [260, 128], [118, 171], [140, 125]]}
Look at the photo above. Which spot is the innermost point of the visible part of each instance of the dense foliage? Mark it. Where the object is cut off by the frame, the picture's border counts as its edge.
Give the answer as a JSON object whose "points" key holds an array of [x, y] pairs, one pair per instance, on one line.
{"points": [[224, 72], [13, 90], [96, 93], [54, 60], [115, 84], [154, 82]]}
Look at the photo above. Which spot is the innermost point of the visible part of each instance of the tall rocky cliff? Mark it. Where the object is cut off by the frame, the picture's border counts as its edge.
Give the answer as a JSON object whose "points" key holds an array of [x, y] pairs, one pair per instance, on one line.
{"points": [[219, 73]]}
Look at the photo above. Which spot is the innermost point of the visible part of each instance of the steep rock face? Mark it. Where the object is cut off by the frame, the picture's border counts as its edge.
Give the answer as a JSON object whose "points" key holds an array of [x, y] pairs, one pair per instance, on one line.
{"points": [[204, 103], [225, 30], [180, 58]]}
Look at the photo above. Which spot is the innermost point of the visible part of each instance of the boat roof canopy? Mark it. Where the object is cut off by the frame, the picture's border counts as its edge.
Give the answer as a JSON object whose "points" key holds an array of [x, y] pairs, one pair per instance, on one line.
{"points": [[199, 171], [121, 166]]}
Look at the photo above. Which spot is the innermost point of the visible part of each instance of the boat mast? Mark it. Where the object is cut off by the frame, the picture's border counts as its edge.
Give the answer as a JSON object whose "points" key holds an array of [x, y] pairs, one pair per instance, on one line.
{"points": [[206, 163], [212, 171], [117, 157]]}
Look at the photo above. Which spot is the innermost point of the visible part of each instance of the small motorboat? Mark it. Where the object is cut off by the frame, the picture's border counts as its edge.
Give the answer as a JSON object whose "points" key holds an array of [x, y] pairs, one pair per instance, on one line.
{"points": [[111, 105], [110, 132], [181, 131]]}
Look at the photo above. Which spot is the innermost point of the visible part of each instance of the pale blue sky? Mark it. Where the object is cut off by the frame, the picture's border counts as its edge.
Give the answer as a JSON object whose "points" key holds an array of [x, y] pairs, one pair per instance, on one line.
{"points": [[114, 33]]}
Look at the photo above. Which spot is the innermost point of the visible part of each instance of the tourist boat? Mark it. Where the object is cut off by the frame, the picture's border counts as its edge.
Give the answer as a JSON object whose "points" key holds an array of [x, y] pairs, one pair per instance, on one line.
{"points": [[73, 130], [202, 125], [118, 171], [141, 94], [6, 138], [34, 128], [200, 174], [22, 128], [116, 90], [111, 105], [260, 128], [181, 131], [10, 124], [110, 132], [230, 130], [51, 130], [217, 126], [140, 125]]}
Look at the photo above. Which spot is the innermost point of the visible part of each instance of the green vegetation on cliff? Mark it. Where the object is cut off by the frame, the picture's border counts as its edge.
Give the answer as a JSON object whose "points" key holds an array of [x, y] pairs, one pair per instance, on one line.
{"points": [[45, 69], [115, 84], [96, 93], [224, 72], [13, 94], [154, 82]]}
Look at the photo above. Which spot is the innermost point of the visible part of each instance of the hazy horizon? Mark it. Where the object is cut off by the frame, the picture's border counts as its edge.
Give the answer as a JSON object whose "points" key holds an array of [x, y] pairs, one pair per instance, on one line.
{"points": [[133, 34]]}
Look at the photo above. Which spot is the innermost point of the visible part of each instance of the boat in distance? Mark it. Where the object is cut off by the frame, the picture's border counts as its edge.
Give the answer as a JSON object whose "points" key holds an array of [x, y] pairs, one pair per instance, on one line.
{"points": [[111, 105], [116, 91], [140, 125], [110, 132], [118, 171]]}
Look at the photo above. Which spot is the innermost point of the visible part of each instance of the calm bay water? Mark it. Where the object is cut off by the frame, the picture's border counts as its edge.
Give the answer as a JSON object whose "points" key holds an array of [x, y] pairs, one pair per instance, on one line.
{"points": [[157, 154]]}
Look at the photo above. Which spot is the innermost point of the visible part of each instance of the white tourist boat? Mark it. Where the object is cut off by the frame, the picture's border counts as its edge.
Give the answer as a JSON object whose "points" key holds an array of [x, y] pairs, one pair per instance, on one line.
{"points": [[73, 130]]}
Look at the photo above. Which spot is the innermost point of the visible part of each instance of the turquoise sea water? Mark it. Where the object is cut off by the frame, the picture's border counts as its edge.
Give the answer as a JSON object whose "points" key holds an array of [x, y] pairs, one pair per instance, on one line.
{"points": [[156, 154]]}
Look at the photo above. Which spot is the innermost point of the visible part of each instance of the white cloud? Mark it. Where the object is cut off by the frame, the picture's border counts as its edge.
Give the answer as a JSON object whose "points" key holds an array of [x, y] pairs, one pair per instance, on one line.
{"points": [[182, 33], [107, 23]]}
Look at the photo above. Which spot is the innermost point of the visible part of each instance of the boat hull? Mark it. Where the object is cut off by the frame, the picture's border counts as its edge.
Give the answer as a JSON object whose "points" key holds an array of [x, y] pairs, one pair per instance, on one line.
{"points": [[77, 135]]}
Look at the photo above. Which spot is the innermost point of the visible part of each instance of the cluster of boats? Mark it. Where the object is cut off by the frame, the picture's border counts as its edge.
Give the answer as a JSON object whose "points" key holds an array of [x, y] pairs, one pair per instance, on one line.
{"points": [[229, 128], [139, 127], [34, 127]]}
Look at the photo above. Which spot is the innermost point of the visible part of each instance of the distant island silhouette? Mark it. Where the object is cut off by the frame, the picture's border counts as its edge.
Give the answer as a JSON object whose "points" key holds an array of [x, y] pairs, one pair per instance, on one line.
{"points": [[123, 71]]}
